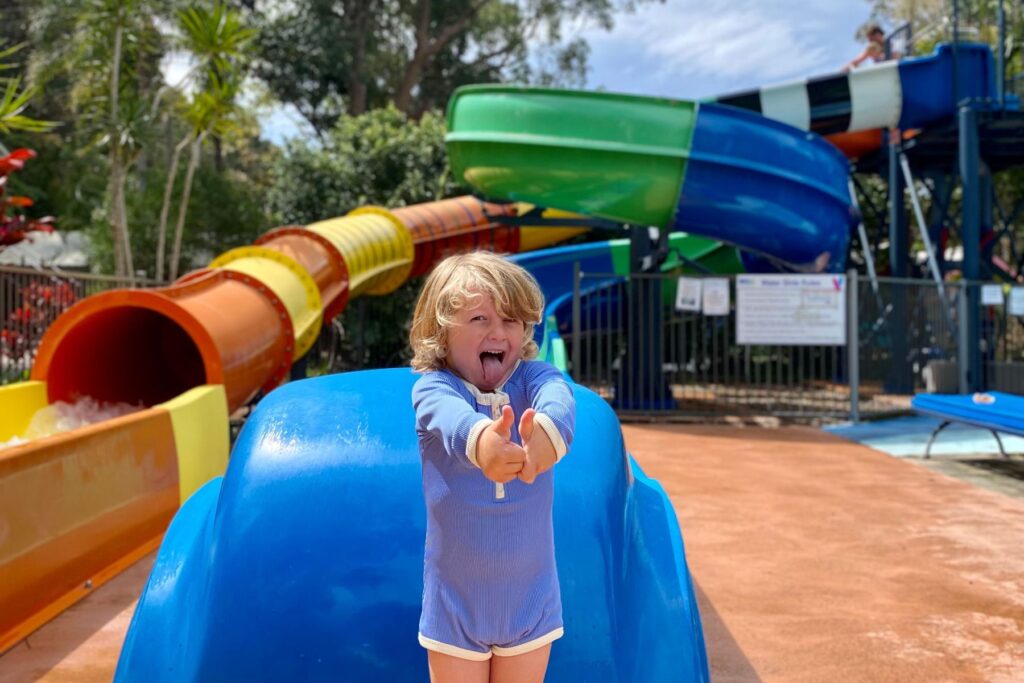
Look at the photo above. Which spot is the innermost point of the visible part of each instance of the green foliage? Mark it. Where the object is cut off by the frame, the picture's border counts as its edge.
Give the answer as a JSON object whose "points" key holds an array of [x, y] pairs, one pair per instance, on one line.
{"points": [[381, 157], [326, 57], [375, 333], [15, 98]]}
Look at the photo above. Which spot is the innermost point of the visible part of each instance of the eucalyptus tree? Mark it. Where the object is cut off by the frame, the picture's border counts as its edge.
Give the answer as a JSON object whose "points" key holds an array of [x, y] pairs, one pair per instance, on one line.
{"points": [[328, 57]]}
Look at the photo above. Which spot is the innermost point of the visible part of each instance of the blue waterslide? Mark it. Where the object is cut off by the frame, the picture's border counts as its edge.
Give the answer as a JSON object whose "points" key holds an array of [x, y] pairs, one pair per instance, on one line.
{"points": [[910, 93], [304, 562]]}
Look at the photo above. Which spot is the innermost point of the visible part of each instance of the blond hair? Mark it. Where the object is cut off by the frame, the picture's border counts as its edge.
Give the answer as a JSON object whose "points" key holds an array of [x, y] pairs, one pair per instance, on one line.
{"points": [[455, 284]]}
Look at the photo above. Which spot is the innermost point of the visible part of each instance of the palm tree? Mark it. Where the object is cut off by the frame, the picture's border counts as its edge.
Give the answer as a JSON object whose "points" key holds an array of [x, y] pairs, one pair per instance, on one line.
{"points": [[212, 113], [14, 100], [113, 57], [218, 42]]}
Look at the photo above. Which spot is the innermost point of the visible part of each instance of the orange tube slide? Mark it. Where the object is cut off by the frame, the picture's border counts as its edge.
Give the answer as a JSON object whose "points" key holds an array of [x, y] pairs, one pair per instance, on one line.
{"points": [[224, 326]]}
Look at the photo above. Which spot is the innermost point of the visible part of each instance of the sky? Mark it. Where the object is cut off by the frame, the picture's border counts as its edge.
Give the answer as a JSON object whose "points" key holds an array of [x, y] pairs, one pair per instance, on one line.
{"points": [[692, 49]]}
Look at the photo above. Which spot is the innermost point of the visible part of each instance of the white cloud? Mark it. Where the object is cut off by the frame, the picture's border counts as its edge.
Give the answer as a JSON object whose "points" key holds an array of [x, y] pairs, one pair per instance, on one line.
{"points": [[723, 44]]}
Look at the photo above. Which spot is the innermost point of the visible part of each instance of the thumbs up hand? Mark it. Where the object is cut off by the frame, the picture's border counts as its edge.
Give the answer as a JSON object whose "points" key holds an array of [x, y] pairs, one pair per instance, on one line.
{"points": [[537, 447], [499, 458]]}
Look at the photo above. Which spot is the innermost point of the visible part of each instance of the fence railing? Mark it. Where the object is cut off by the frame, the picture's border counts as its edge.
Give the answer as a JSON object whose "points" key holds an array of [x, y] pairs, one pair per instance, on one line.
{"points": [[902, 337], [906, 333], [31, 299]]}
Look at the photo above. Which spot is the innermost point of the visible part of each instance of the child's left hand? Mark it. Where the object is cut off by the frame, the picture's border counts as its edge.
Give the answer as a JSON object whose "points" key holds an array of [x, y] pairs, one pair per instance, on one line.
{"points": [[540, 452]]}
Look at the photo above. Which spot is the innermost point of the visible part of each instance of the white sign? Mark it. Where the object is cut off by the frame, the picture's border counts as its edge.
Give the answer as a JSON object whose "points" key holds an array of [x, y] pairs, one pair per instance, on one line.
{"points": [[688, 294], [795, 310], [716, 296], [1016, 301], [991, 295]]}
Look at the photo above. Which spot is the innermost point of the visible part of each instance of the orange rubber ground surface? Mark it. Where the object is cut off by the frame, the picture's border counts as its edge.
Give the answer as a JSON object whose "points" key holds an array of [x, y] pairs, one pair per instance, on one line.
{"points": [[815, 559]]}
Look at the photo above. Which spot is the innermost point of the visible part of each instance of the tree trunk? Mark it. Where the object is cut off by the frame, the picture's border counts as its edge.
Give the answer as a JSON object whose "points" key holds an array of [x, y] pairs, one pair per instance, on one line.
{"points": [[116, 165], [112, 214], [420, 56], [122, 221], [161, 235], [357, 90], [428, 46], [186, 192]]}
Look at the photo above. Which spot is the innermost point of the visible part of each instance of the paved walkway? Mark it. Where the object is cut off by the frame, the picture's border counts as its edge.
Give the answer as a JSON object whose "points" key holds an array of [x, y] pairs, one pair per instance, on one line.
{"points": [[817, 559], [82, 644]]}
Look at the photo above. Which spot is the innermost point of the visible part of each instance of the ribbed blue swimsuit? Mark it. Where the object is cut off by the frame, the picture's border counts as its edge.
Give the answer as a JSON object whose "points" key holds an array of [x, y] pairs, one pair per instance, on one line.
{"points": [[489, 579]]}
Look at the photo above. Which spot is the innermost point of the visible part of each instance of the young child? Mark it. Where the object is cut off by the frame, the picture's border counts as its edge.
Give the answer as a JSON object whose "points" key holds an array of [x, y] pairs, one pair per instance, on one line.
{"points": [[491, 424], [875, 49]]}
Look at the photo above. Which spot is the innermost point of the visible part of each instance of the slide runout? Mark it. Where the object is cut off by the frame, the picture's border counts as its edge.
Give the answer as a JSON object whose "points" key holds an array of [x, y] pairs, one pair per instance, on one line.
{"points": [[285, 509], [81, 506]]}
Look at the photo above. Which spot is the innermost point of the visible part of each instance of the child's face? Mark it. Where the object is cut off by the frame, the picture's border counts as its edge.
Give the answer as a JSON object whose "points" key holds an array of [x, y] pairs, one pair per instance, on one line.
{"points": [[482, 345]]}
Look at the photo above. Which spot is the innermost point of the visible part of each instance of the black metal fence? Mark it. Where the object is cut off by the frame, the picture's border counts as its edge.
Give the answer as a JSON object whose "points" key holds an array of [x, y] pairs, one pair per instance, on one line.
{"points": [[30, 300], [901, 337], [700, 368]]}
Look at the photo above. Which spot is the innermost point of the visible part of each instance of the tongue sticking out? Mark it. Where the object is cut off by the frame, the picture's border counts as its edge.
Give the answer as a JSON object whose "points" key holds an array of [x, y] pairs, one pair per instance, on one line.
{"points": [[493, 372]]}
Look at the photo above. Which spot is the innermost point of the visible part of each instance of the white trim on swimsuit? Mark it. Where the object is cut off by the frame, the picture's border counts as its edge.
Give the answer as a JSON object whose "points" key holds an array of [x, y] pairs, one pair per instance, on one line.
{"points": [[474, 656]]}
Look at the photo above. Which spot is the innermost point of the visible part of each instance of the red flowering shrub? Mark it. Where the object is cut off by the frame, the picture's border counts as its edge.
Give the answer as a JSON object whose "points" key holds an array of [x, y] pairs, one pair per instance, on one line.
{"points": [[14, 226]]}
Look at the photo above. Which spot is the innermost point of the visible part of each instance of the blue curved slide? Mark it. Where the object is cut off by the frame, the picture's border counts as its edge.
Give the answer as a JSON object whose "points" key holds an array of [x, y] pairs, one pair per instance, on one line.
{"points": [[909, 93], [304, 562]]}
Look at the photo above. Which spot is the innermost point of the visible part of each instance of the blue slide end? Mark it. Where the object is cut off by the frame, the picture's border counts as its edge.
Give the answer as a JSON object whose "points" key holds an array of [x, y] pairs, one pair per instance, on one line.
{"points": [[770, 188], [927, 83], [305, 561]]}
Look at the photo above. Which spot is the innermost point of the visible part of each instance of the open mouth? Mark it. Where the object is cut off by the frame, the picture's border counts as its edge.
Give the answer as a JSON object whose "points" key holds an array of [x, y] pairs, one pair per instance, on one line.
{"points": [[492, 365]]}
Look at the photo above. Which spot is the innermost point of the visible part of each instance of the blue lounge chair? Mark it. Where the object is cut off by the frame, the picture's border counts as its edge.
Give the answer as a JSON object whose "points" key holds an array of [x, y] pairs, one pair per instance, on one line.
{"points": [[994, 411]]}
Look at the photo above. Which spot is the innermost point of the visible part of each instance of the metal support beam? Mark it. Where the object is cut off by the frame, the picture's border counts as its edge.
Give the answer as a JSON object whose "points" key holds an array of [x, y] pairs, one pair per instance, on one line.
{"points": [[900, 379], [642, 384], [970, 232], [922, 227], [853, 343], [1001, 57], [862, 234], [986, 194]]}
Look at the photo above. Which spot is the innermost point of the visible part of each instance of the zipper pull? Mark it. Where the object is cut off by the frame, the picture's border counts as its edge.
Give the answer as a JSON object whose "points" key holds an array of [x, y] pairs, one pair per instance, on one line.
{"points": [[499, 491]]}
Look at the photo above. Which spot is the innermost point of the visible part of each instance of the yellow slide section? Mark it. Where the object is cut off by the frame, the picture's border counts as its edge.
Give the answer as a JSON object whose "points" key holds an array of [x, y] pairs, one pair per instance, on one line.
{"points": [[18, 403], [198, 419], [376, 246], [78, 507], [292, 284]]}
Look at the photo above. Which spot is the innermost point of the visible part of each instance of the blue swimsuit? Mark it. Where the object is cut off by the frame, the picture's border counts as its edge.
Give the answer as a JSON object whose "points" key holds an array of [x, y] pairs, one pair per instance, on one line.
{"points": [[489, 580]]}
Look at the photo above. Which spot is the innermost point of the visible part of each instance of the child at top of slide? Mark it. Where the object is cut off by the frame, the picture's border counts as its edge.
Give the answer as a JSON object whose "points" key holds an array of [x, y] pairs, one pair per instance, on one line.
{"points": [[491, 424], [875, 49]]}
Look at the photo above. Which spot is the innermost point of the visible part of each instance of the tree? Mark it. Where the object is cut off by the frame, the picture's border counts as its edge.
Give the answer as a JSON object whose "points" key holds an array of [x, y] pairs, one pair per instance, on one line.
{"points": [[15, 99], [218, 41], [329, 56], [114, 55], [381, 157]]}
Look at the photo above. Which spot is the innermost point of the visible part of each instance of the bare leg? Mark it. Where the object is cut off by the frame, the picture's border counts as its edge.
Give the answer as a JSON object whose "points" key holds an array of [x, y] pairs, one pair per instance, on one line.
{"points": [[527, 668], [448, 669]]}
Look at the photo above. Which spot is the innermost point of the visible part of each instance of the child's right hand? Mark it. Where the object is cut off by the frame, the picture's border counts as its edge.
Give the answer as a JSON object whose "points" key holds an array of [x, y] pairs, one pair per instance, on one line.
{"points": [[499, 458]]}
